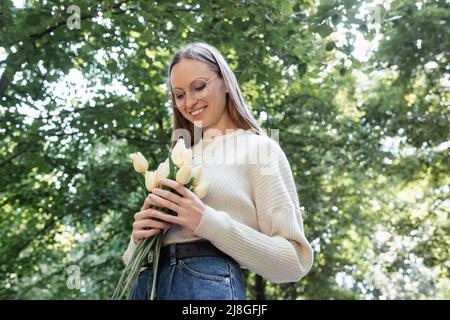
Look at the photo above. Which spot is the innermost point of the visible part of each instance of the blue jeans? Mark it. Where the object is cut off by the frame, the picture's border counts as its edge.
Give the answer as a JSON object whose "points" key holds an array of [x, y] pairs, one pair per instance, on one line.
{"points": [[193, 278]]}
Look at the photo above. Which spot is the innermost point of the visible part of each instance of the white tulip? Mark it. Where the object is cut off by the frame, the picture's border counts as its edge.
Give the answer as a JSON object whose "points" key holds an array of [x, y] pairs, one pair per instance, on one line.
{"points": [[187, 157], [140, 164], [178, 153], [150, 180], [181, 155], [183, 175], [196, 173], [202, 188], [163, 171]]}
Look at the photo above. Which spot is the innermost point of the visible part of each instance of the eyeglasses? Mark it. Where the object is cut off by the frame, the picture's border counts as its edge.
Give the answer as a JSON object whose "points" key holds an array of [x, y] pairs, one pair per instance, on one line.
{"points": [[199, 90]]}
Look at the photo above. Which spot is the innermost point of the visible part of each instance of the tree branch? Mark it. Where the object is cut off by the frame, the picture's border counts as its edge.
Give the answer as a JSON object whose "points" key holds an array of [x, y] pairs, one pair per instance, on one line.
{"points": [[3, 82], [39, 35], [15, 155]]}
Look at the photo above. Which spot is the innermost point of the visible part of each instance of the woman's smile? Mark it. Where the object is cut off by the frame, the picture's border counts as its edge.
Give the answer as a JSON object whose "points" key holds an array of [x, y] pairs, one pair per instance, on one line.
{"points": [[198, 113]]}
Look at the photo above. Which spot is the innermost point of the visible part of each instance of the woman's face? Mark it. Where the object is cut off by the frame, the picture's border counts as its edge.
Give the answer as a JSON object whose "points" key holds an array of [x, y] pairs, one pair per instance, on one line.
{"points": [[184, 76]]}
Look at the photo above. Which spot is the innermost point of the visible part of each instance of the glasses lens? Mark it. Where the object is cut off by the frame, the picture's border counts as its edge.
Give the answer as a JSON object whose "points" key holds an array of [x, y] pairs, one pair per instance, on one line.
{"points": [[198, 89], [179, 97]]}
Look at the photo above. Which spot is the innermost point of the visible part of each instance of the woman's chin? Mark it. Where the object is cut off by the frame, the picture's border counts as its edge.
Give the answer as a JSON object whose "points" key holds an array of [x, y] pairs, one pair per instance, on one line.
{"points": [[200, 123]]}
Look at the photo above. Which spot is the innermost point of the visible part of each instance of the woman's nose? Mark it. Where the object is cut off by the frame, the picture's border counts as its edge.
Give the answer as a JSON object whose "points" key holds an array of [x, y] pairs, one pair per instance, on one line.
{"points": [[190, 100]]}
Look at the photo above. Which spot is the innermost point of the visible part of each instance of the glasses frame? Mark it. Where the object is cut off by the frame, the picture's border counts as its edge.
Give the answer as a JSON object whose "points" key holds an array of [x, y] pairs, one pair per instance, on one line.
{"points": [[207, 82]]}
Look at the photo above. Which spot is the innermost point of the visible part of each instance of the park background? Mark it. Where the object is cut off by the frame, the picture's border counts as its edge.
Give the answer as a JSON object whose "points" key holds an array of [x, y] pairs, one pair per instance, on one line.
{"points": [[358, 89]]}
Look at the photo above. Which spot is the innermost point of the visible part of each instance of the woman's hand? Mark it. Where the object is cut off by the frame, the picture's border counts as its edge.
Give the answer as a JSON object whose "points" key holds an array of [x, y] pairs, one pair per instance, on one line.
{"points": [[188, 206], [144, 225]]}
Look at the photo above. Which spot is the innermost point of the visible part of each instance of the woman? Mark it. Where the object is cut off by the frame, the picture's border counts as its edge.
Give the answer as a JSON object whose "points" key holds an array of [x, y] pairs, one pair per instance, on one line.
{"points": [[250, 217]]}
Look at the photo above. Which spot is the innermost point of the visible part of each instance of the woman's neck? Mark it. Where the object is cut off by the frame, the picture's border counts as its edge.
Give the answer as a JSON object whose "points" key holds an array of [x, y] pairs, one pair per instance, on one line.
{"points": [[225, 126], [212, 132]]}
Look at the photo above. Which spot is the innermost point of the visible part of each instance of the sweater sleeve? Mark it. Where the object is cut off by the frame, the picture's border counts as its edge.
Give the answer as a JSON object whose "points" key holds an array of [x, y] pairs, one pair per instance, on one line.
{"points": [[129, 252], [278, 251]]}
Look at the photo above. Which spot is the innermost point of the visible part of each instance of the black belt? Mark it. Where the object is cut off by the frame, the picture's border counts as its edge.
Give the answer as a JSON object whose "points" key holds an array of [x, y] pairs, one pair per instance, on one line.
{"points": [[191, 249]]}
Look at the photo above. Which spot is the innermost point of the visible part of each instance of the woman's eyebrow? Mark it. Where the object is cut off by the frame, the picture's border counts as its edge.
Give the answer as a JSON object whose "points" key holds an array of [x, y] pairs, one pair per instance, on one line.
{"points": [[201, 77]]}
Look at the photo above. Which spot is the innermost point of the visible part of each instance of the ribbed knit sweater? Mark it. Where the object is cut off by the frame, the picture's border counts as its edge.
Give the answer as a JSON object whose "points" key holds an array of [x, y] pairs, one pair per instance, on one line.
{"points": [[252, 210]]}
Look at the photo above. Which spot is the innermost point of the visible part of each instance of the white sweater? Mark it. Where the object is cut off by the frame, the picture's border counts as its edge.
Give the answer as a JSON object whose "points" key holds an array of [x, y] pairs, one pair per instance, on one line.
{"points": [[252, 207]]}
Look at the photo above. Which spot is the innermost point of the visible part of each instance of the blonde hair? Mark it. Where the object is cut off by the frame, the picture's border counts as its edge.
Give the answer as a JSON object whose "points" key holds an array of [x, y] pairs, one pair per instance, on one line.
{"points": [[235, 105]]}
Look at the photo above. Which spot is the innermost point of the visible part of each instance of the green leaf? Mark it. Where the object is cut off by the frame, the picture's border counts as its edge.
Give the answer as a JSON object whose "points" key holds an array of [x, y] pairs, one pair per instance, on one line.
{"points": [[324, 30], [330, 46]]}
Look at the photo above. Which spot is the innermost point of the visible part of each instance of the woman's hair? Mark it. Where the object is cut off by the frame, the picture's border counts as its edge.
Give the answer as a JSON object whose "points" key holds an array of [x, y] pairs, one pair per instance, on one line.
{"points": [[235, 105]]}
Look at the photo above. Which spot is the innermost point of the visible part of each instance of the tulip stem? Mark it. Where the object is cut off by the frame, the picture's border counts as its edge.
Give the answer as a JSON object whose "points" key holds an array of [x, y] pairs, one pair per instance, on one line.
{"points": [[142, 184], [156, 252]]}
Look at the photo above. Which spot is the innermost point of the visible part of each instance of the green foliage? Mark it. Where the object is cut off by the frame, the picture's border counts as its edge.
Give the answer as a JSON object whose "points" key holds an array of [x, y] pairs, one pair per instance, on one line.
{"points": [[367, 141]]}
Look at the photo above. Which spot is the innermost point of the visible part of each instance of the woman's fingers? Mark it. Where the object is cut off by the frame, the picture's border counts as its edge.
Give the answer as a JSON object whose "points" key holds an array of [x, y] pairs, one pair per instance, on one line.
{"points": [[161, 202], [143, 214], [147, 203], [141, 234], [152, 214], [149, 223], [181, 189], [145, 226]]}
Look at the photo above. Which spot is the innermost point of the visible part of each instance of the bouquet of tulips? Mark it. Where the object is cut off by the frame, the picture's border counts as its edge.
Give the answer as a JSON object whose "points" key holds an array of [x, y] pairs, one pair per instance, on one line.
{"points": [[178, 166]]}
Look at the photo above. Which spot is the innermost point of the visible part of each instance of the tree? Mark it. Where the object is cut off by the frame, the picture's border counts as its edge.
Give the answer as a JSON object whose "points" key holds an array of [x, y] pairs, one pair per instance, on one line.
{"points": [[75, 102]]}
